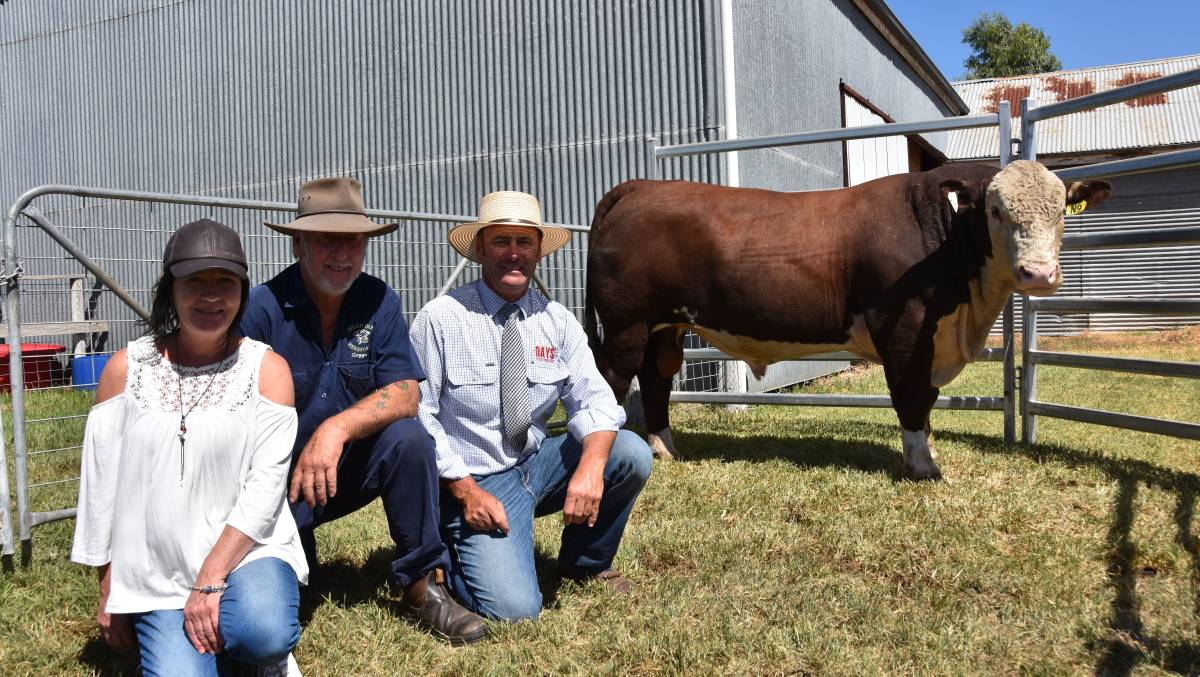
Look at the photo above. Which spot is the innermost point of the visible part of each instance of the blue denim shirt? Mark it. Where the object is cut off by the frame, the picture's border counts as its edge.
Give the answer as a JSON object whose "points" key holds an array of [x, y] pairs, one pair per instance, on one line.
{"points": [[370, 346]]}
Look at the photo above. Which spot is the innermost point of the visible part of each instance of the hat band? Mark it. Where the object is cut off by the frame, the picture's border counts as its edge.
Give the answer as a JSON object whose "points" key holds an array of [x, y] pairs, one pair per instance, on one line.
{"points": [[331, 211], [503, 220]]}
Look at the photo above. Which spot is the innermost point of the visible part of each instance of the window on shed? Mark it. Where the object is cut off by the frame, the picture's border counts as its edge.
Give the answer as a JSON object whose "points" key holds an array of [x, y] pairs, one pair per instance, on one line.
{"points": [[866, 159]]}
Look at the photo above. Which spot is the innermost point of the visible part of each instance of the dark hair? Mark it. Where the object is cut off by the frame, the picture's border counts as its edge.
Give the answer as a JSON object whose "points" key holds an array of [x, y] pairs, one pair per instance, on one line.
{"points": [[164, 319]]}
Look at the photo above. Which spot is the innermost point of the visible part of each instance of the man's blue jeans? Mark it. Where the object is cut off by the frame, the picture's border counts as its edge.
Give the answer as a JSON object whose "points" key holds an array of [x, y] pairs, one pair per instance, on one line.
{"points": [[493, 574], [259, 621]]}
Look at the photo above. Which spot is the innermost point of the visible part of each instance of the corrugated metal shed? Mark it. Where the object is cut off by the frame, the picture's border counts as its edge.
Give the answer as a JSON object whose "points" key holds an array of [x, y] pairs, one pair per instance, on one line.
{"points": [[1131, 127]]}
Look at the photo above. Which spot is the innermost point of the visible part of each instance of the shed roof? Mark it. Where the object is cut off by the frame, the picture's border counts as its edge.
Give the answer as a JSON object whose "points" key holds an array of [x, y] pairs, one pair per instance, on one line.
{"points": [[1155, 121]]}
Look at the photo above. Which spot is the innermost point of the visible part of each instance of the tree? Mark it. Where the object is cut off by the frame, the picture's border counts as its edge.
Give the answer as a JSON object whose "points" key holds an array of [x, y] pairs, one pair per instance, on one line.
{"points": [[999, 50]]}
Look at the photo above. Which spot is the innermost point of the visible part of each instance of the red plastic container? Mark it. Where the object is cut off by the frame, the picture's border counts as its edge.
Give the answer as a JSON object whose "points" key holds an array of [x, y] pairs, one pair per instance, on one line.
{"points": [[41, 366]]}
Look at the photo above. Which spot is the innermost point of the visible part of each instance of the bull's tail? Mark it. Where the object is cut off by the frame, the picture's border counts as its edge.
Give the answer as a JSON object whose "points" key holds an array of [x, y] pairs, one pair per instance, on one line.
{"points": [[596, 235]]}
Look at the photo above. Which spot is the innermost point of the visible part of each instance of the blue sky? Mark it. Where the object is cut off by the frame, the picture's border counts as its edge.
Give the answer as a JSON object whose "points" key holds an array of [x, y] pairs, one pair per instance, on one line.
{"points": [[1096, 33]]}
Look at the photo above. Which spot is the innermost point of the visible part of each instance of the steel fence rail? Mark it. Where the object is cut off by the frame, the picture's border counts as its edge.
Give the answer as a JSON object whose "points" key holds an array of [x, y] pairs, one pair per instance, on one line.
{"points": [[1149, 237], [1031, 407], [985, 355], [1139, 165], [1164, 83], [1108, 363], [825, 135], [824, 400]]}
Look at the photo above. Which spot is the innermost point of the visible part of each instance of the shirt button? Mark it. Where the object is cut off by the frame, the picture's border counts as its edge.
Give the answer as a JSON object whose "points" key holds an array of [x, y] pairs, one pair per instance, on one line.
{"points": [[323, 395]]}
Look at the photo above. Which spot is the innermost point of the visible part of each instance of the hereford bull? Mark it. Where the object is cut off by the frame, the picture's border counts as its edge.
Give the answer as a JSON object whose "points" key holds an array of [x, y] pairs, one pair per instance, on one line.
{"points": [[893, 270]]}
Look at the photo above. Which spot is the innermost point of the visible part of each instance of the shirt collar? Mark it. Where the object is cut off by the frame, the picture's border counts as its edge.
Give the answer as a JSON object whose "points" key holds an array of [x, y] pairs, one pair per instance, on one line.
{"points": [[295, 293], [492, 303]]}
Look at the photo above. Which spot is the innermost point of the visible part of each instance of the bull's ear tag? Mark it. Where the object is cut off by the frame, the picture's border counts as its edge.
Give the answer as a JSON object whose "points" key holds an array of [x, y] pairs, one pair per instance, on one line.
{"points": [[1076, 207]]}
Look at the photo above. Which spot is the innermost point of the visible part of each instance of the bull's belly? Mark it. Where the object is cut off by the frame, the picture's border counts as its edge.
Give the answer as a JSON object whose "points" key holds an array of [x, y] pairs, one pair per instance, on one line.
{"points": [[759, 353], [948, 346]]}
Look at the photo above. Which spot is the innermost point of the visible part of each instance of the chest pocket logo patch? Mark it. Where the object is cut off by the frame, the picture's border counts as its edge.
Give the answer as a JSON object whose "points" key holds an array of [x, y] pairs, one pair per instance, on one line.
{"points": [[360, 341]]}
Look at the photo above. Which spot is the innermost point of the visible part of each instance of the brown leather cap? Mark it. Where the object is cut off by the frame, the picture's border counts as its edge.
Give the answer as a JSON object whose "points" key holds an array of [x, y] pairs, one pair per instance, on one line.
{"points": [[333, 205], [204, 245]]}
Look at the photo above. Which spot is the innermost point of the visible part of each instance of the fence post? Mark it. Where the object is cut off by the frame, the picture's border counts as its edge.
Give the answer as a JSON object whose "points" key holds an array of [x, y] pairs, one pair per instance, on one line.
{"points": [[1028, 317], [1004, 136], [6, 532]]}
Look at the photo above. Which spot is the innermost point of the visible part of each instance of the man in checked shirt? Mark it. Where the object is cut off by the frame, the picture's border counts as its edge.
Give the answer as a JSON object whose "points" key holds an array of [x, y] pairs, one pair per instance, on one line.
{"points": [[498, 357]]}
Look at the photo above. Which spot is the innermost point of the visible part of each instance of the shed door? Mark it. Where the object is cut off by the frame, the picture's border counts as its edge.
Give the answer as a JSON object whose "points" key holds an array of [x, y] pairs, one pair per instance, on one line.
{"points": [[868, 159]]}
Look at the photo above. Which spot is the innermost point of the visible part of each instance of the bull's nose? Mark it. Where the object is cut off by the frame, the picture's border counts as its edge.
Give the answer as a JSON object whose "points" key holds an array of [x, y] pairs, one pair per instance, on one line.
{"points": [[1038, 274]]}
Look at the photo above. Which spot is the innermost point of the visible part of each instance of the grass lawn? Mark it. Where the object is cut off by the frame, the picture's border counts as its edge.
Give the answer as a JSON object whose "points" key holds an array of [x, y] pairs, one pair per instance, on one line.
{"points": [[786, 542]]}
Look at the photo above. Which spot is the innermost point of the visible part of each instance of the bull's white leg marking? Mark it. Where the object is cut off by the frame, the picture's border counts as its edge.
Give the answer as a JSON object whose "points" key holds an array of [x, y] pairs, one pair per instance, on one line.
{"points": [[918, 457], [661, 444]]}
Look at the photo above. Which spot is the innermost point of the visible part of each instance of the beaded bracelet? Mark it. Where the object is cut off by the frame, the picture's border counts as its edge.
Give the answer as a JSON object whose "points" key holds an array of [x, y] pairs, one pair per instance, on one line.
{"points": [[210, 589]]}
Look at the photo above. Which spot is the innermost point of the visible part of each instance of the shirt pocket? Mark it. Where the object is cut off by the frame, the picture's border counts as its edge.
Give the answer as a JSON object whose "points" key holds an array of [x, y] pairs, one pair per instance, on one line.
{"points": [[473, 388], [358, 380], [545, 387]]}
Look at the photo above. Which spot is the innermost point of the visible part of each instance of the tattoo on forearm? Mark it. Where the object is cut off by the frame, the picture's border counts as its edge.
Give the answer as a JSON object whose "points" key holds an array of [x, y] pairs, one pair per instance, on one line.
{"points": [[403, 385], [384, 396]]}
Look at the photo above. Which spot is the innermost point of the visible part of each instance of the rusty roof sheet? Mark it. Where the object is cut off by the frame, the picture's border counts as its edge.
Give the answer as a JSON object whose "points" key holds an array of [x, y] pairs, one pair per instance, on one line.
{"points": [[1166, 119]]}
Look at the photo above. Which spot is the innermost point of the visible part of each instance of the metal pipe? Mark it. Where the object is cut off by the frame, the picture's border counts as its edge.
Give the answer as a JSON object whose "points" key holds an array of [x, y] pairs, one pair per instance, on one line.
{"points": [[1004, 132], [985, 355], [40, 518], [836, 134], [11, 289], [733, 173], [1138, 165], [1104, 304], [230, 203], [6, 531], [1126, 364], [1148, 237], [1028, 149], [454, 275], [823, 400], [1028, 370], [92, 267], [1165, 83], [1113, 419]]}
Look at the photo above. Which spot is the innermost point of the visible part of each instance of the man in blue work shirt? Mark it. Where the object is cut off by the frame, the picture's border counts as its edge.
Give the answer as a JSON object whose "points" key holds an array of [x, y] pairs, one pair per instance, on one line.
{"points": [[499, 357], [356, 395]]}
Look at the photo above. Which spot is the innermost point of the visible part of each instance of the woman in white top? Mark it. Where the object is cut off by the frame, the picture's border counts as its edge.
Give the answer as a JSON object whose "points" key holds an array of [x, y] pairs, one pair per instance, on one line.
{"points": [[185, 460]]}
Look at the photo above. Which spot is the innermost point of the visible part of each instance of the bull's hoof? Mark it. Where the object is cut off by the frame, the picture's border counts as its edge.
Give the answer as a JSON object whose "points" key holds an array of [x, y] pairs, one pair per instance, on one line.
{"points": [[661, 444], [920, 474]]}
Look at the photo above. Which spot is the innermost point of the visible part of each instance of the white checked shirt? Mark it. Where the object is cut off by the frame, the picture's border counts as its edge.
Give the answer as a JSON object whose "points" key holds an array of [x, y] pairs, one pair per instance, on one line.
{"points": [[457, 339]]}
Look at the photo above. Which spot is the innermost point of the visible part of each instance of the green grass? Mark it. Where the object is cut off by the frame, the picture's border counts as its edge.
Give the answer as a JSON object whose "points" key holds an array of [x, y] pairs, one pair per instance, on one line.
{"points": [[786, 542]]}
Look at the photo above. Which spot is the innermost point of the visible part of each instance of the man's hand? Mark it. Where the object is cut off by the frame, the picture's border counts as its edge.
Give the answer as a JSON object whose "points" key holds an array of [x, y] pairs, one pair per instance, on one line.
{"points": [[201, 616], [584, 491], [482, 511], [586, 488], [115, 629], [315, 475]]}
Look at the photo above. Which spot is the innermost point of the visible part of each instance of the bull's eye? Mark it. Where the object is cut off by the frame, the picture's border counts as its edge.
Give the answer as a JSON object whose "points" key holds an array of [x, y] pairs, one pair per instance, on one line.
{"points": [[995, 213]]}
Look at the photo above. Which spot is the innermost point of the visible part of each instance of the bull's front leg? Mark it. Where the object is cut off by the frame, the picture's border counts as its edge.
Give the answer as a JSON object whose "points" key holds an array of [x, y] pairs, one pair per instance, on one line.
{"points": [[664, 357], [907, 364]]}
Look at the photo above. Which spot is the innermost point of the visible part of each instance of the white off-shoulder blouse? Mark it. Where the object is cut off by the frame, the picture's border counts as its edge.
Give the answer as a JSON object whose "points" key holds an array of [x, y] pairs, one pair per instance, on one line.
{"points": [[154, 508]]}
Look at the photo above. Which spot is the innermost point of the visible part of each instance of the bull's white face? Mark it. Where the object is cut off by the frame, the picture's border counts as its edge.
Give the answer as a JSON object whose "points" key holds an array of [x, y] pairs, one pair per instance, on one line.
{"points": [[1025, 211]]}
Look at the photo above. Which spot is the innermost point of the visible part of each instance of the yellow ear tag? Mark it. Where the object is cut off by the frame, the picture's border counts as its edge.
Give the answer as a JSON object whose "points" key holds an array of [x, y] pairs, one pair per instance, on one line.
{"points": [[1076, 207]]}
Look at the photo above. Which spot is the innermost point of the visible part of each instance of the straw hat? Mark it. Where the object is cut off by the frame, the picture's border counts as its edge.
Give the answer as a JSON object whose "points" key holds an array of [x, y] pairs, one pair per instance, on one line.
{"points": [[507, 208], [332, 206]]}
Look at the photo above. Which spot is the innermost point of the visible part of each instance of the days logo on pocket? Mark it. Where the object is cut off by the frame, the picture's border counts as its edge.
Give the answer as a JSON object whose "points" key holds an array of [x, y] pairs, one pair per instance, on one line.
{"points": [[544, 353]]}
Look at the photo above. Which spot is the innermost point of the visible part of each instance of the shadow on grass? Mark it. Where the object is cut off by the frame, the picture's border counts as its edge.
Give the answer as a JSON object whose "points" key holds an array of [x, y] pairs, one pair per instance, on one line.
{"points": [[1129, 644], [346, 584], [805, 452], [107, 661]]}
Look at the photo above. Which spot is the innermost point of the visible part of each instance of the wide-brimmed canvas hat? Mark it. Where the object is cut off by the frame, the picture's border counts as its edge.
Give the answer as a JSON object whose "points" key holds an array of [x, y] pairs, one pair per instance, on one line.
{"points": [[507, 208], [332, 205]]}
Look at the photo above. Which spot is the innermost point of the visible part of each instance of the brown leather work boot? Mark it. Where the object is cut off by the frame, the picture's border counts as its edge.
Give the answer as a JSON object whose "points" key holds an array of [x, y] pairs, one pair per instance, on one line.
{"points": [[612, 579], [430, 603]]}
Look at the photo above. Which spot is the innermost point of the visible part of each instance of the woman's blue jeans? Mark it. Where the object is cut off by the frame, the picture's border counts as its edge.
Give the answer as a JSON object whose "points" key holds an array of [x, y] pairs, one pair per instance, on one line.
{"points": [[494, 574], [259, 621]]}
